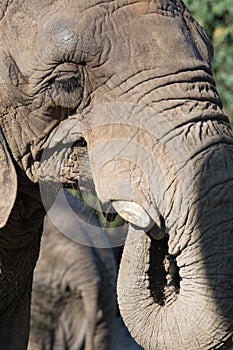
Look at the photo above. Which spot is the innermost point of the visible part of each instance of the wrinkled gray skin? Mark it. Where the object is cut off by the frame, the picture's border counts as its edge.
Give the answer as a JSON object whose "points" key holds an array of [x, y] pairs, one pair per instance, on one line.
{"points": [[59, 61], [74, 290]]}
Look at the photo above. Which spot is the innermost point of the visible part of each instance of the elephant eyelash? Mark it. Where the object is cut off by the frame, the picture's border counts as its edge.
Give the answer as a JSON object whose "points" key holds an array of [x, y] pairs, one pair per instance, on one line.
{"points": [[65, 92], [69, 85], [67, 77]]}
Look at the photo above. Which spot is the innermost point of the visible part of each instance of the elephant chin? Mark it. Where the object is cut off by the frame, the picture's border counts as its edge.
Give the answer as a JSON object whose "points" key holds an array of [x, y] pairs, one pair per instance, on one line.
{"points": [[165, 303]]}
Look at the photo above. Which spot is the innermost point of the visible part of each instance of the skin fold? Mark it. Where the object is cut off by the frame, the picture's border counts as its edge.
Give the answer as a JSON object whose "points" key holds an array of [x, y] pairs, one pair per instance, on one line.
{"points": [[117, 98]]}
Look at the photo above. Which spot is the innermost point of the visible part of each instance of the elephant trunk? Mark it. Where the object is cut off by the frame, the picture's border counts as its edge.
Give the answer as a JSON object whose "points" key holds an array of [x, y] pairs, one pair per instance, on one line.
{"points": [[175, 306], [176, 293]]}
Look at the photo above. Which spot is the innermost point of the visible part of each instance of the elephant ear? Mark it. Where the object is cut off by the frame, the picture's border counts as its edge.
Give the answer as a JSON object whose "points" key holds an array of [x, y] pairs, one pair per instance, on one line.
{"points": [[8, 182]]}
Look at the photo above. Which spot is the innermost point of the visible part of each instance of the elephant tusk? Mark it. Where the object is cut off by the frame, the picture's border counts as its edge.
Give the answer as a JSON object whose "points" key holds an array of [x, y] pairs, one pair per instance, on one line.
{"points": [[133, 213]]}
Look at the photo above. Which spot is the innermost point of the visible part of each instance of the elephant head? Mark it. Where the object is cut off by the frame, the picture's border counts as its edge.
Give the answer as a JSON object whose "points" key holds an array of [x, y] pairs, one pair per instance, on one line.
{"points": [[128, 85]]}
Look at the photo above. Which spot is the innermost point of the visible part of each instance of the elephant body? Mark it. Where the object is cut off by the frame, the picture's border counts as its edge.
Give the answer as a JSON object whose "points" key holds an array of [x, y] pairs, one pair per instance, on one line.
{"points": [[117, 98], [74, 291]]}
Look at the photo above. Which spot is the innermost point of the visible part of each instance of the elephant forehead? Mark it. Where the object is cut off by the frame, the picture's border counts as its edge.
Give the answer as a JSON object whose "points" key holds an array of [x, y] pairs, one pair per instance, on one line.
{"points": [[67, 18], [142, 40]]}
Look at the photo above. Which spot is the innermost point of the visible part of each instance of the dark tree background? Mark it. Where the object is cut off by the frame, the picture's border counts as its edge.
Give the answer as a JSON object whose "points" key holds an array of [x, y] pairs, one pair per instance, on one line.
{"points": [[216, 17]]}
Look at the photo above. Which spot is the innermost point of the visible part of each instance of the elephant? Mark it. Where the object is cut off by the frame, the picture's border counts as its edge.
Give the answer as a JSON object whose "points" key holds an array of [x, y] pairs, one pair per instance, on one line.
{"points": [[117, 98], [74, 290]]}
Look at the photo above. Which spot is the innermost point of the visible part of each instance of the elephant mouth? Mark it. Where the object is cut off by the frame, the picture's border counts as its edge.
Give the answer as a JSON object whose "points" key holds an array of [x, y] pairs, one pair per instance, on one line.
{"points": [[66, 162]]}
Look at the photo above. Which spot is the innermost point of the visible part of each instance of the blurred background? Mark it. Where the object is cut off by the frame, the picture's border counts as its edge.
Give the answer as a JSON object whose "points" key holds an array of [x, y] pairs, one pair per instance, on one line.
{"points": [[216, 17]]}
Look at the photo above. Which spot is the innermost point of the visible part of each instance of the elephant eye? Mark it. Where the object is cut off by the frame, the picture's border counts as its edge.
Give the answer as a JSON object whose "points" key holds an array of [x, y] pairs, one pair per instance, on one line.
{"points": [[67, 85], [65, 89]]}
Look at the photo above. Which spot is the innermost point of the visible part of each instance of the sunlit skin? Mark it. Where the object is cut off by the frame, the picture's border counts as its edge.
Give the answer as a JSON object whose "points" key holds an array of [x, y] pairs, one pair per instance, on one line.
{"points": [[117, 98]]}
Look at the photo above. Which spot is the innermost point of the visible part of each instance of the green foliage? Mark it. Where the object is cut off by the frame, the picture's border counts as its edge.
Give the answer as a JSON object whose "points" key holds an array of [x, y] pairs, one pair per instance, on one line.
{"points": [[92, 202], [216, 17]]}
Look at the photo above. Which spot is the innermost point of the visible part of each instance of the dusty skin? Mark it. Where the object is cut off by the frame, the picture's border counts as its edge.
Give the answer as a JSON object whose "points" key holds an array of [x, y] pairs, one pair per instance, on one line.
{"points": [[117, 98]]}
